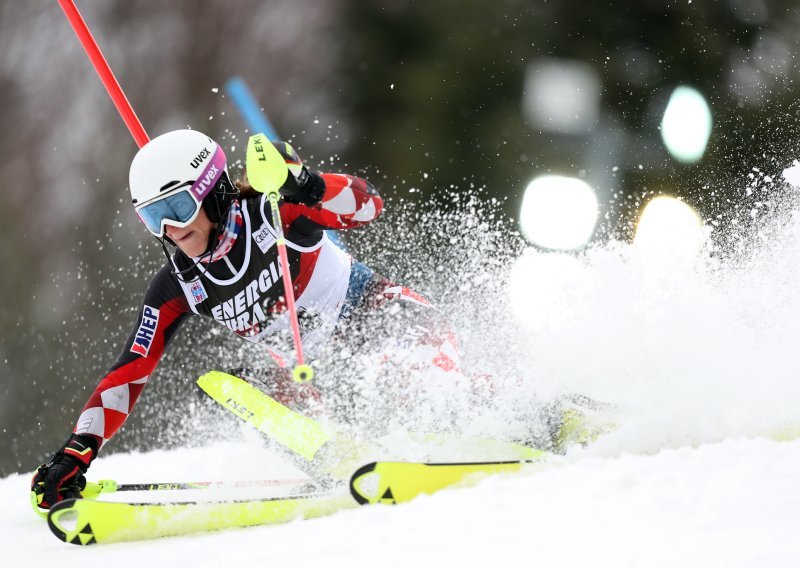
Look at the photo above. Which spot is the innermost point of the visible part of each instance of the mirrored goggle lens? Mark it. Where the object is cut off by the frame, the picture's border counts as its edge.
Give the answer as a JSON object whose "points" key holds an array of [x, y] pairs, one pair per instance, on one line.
{"points": [[179, 207]]}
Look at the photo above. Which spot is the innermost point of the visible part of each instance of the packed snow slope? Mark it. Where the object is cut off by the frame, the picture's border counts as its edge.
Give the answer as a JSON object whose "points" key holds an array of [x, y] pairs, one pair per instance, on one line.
{"points": [[731, 504], [699, 357]]}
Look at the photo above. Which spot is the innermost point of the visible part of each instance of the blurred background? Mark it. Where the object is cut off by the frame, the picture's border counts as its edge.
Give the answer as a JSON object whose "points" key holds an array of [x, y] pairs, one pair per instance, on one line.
{"points": [[570, 117]]}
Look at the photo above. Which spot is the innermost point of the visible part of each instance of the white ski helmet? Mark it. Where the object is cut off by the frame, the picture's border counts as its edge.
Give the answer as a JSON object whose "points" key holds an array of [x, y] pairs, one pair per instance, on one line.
{"points": [[172, 176]]}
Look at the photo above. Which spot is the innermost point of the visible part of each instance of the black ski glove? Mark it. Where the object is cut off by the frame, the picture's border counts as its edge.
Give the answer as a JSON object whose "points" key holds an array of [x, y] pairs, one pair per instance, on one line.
{"points": [[62, 476], [307, 188], [302, 185]]}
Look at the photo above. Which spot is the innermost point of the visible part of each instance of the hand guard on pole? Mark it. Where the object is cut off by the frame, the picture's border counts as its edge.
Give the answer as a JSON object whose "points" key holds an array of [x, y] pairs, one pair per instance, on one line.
{"points": [[303, 186]]}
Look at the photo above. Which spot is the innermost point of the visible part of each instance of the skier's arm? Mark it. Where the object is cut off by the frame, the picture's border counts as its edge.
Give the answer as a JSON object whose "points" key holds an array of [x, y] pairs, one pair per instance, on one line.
{"points": [[162, 311], [348, 201], [314, 201]]}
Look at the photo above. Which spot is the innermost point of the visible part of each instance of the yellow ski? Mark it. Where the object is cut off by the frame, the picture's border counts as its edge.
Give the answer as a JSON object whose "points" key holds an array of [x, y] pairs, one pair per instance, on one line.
{"points": [[326, 453], [299, 434], [82, 521], [397, 482]]}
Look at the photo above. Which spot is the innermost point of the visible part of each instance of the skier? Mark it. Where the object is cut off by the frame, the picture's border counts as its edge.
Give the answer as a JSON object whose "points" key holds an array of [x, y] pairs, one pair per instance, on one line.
{"points": [[225, 266]]}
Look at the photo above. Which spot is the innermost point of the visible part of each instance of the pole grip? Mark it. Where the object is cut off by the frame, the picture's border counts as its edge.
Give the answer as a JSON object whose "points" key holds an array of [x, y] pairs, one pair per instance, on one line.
{"points": [[104, 71]]}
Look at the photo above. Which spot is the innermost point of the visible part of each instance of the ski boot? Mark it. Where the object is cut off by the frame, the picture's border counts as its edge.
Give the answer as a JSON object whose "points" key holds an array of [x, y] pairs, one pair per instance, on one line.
{"points": [[571, 420]]}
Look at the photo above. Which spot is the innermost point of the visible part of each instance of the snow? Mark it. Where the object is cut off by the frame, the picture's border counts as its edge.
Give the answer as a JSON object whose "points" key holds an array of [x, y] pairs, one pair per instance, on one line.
{"points": [[733, 503], [702, 364]]}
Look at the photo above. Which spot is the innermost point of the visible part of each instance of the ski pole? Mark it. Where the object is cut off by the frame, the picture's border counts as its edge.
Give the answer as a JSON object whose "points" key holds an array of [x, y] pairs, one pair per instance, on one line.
{"points": [[267, 172], [95, 489], [106, 486], [104, 71]]}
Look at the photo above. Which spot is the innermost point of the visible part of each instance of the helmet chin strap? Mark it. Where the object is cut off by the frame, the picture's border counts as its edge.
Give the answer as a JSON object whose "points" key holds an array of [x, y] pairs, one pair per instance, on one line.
{"points": [[213, 238], [180, 273]]}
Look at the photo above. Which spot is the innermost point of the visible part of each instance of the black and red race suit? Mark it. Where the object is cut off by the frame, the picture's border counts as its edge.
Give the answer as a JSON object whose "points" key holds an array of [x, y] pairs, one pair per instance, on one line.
{"points": [[243, 291]]}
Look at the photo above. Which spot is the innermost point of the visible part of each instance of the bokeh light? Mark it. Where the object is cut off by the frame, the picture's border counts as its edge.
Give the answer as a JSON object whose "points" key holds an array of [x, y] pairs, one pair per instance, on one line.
{"points": [[562, 95], [686, 125], [559, 212], [670, 231]]}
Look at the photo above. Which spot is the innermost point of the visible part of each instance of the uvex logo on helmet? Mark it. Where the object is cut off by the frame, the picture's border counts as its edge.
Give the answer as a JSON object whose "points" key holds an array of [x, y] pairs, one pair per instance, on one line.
{"points": [[205, 183], [199, 158]]}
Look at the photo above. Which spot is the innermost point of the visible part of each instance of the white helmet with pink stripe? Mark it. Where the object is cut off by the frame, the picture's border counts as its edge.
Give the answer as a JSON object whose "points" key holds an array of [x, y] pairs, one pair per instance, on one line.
{"points": [[172, 175]]}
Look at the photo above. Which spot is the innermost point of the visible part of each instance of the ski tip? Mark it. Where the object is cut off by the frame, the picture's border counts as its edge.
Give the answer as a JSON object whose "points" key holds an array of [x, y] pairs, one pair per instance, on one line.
{"points": [[357, 489]]}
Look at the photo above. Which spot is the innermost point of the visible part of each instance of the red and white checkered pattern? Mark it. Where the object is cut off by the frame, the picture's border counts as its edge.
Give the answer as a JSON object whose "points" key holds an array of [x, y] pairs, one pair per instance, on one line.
{"points": [[348, 202], [107, 409], [350, 198]]}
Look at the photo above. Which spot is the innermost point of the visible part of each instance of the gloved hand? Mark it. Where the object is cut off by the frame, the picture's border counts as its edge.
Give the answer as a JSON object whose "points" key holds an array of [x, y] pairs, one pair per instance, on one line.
{"points": [[302, 185], [62, 476], [307, 189]]}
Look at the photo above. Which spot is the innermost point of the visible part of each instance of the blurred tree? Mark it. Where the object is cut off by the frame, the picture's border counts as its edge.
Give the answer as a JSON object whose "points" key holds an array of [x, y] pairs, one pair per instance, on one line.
{"points": [[438, 88]]}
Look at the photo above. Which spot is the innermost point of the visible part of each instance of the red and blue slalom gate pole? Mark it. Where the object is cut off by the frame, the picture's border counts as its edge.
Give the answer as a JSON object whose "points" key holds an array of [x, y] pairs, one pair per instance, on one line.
{"points": [[246, 103], [134, 124]]}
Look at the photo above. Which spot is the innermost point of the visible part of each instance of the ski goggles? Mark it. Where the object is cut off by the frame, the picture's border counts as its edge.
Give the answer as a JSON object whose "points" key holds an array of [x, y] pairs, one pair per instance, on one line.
{"points": [[180, 206]]}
